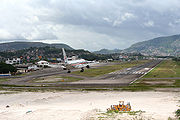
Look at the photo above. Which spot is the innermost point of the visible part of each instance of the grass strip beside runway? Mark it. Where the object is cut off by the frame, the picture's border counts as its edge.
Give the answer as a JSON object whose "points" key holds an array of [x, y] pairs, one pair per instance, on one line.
{"points": [[107, 69], [166, 69]]}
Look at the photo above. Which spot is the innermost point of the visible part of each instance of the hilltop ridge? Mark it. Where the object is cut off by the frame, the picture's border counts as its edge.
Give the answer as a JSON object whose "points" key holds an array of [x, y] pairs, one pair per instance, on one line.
{"points": [[26, 45], [162, 46]]}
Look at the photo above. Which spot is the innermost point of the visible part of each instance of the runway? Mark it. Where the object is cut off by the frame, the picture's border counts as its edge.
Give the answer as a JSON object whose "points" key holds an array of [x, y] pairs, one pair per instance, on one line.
{"points": [[114, 79], [122, 77]]}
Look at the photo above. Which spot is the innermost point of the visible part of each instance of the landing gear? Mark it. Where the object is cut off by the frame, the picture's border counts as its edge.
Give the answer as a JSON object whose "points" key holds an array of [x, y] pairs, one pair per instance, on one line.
{"points": [[82, 69], [87, 66], [69, 71]]}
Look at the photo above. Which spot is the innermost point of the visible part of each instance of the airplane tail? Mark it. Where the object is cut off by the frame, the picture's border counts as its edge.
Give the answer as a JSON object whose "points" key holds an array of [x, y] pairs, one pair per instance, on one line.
{"points": [[64, 56]]}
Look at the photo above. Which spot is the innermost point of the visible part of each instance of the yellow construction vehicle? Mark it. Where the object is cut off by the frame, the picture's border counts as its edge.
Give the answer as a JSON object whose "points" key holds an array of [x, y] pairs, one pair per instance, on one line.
{"points": [[120, 107]]}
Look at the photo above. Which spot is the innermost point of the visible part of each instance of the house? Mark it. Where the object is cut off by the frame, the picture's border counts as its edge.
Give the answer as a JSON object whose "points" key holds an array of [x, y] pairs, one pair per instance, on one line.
{"points": [[43, 63], [13, 61], [33, 68]]}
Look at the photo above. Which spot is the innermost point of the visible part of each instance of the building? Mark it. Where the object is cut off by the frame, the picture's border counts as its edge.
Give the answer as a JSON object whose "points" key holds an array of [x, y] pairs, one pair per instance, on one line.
{"points": [[33, 68], [43, 63], [13, 61]]}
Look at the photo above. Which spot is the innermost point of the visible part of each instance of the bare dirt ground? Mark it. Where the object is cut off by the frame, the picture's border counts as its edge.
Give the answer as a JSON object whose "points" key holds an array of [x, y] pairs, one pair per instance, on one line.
{"points": [[76, 105]]}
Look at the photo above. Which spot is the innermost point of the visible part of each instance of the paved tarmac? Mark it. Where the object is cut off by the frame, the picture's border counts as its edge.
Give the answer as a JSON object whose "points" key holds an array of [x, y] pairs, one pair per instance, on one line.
{"points": [[114, 79], [122, 77]]}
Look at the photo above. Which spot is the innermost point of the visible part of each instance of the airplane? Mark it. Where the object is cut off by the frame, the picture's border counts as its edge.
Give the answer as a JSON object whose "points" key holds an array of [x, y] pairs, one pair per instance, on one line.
{"points": [[78, 63], [44, 63]]}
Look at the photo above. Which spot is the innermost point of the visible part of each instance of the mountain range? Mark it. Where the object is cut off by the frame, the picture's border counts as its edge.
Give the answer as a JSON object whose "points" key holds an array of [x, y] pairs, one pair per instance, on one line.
{"points": [[26, 45], [160, 46], [106, 51]]}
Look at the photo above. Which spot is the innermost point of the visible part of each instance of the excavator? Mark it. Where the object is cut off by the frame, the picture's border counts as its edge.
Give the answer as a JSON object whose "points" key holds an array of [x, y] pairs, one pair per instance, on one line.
{"points": [[120, 107]]}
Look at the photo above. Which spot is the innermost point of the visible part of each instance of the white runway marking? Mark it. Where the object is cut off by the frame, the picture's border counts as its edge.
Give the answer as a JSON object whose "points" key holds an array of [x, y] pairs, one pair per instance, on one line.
{"points": [[126, 73]]}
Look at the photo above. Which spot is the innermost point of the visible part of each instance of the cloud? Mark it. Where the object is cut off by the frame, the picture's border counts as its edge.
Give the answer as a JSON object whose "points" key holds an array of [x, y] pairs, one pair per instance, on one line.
{"points": [[170, 24], [177, 21], [88, 24], [123, 18], [149, 23], [107, 19], [32, 19], [5, 34]]}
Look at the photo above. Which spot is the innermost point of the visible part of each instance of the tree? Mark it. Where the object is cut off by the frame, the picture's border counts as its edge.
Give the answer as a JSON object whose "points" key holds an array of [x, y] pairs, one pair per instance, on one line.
{"points": [[6, 68]]}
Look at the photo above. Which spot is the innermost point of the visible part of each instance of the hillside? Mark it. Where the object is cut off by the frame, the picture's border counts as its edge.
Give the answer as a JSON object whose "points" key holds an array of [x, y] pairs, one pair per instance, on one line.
{"points": [[162, 46], [106, 51], [26, 45], [33, 53]]}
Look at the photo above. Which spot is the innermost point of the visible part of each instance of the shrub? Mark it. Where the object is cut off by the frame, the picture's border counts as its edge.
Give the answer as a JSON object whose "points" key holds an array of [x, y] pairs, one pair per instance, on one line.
{"points": [[178, 113], [6, 68]]}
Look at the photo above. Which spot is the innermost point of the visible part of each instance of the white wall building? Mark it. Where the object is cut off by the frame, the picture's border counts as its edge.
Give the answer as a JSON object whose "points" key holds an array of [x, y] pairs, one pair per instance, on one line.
{"points": [[13, 61], [33, 67], [43, 63]]}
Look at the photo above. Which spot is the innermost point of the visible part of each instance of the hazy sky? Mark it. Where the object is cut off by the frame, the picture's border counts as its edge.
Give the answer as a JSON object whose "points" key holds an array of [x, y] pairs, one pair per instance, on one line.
{"points": [[88, 24]]}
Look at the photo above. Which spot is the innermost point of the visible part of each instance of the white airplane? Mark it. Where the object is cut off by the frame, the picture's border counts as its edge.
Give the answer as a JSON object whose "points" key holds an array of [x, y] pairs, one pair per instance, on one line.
{"points": [[78, 63], [43, 63]]}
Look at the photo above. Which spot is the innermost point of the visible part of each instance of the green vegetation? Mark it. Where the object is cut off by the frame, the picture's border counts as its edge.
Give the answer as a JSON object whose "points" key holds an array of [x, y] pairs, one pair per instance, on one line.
{"points": [[166, 74], [177, 83], [6, 68], [117, 114], [50, 52], [3, 79], [149, 82], [178, 113], [107, 69], [9, 92], [134, 88], [152, 84], [121, 112], [26, 45], [176, 59], [106, 51], [162, 45], [166, 69]]}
